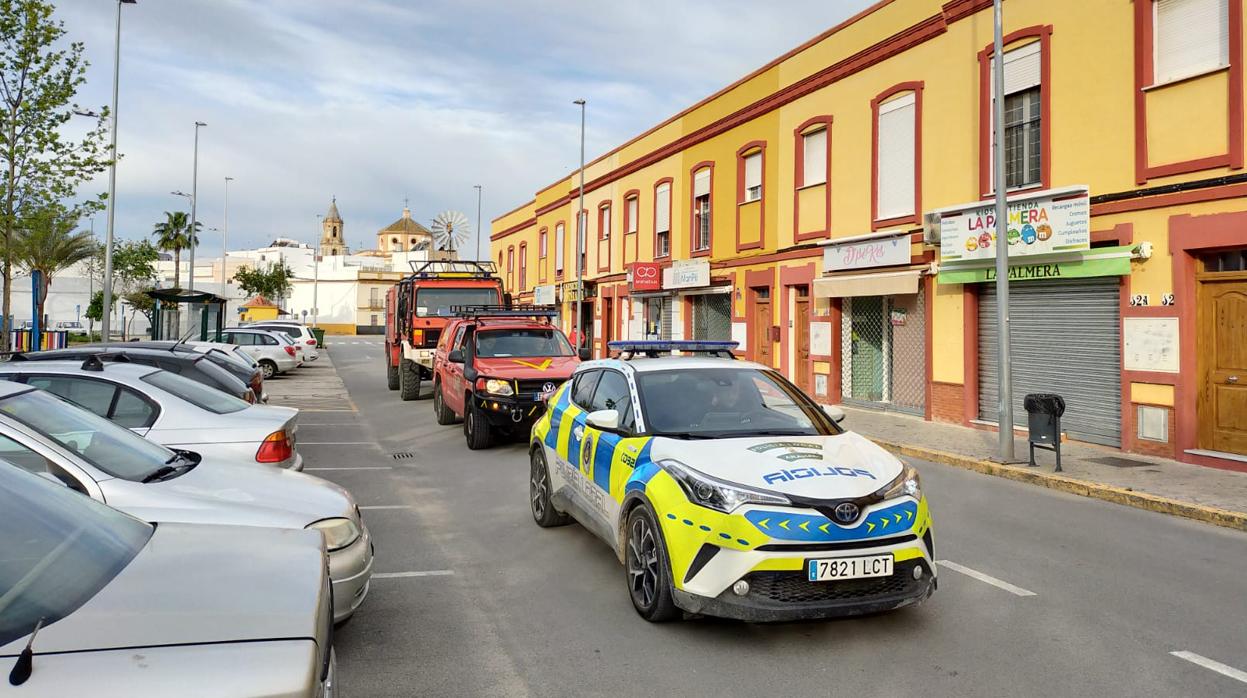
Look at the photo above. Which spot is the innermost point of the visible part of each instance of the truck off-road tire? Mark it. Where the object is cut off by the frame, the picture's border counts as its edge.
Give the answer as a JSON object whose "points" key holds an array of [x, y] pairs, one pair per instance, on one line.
{"points": [[408, 379], [539, 502], [476, 427], [444, 414], [391, 371], [647, 569]]}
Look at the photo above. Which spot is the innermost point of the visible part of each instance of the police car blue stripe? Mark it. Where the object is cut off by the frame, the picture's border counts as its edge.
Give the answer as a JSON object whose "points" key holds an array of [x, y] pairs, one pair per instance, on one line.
{"points": [[603, 456], [643, 471]]}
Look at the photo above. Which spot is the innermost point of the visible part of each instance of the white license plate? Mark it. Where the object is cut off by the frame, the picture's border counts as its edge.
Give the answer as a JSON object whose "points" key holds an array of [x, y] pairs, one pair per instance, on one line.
{"points": [[545, 395], [831, 569]]}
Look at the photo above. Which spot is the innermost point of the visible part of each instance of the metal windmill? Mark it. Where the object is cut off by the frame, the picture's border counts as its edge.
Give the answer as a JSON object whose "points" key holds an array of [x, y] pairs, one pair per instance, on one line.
{"points": [[450, 230]]}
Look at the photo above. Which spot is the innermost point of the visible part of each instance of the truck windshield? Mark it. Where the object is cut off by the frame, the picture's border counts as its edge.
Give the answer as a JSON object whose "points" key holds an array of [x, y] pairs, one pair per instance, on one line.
{"points": [[436, 301], [521, 342]]}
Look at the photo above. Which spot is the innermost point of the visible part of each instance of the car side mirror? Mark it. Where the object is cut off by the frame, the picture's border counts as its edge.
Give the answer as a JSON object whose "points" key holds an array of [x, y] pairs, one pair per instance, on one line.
{"points": [[834, 411], [455, 356], [606, 420], [584, 353]]}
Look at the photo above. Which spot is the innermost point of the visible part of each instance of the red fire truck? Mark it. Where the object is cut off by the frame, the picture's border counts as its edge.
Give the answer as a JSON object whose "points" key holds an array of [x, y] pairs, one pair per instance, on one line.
{"points": [[418, 308]]}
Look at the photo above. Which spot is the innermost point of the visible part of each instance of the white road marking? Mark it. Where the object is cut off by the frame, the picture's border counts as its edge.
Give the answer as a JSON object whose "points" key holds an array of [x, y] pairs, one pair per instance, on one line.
{"points": [[985, 578], [363, 467], [386, 506], [1214, 665], [425, 573], [336, 443]]}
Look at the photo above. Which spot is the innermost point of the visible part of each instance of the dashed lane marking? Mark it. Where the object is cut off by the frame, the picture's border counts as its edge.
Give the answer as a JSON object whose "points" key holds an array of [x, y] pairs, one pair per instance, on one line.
{"points": [[985, 578], [1212, 664], [423, 573]]}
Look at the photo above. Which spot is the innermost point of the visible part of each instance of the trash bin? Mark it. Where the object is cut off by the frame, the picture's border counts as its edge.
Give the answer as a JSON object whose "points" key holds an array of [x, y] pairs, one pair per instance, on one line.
{"points": [[1043, 412], [319, 334]]}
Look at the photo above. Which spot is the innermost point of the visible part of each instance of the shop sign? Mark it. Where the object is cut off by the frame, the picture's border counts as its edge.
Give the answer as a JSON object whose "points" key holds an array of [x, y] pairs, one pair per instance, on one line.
{"points": [[687, 273], [544, 295], [1108, 261], [645, 276], [572, 290], [867, 254], [1045, 222]]}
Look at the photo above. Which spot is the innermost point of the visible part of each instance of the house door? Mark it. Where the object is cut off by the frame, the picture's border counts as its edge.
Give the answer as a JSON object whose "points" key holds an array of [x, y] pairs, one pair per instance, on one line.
{"points": [[608, 324], [762, 326], [801, 338], [1222, 322]]}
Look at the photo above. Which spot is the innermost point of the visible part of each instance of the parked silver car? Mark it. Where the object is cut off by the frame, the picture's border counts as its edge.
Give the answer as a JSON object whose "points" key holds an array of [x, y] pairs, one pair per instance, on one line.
{"points": [[46, 436], [300, 333], [126, 608], [273, 355], [170, 409]]}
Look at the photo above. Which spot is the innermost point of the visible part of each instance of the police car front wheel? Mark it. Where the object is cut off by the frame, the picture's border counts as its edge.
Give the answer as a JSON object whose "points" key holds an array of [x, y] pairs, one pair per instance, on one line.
{"points": [[648, 569]]}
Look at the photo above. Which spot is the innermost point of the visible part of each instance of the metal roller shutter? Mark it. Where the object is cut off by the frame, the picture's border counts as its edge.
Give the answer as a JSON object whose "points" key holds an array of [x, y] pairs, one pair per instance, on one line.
{"points": [[712, 317], [666, 319], [1065, 339]]}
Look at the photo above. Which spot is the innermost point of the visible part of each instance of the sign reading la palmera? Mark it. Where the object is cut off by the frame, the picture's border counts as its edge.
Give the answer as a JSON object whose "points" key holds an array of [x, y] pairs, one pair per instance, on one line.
{"points": [[1044, 222]]}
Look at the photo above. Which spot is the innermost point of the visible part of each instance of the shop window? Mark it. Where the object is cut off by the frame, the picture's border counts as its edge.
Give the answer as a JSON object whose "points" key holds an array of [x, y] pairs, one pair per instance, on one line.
{"points": [[712, 316], [1192, 37], [662, 220], [701, 210]]}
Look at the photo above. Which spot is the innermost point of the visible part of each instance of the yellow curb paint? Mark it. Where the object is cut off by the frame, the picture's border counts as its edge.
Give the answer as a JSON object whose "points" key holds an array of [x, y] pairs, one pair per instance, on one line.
{"points": [[1083, 488]]}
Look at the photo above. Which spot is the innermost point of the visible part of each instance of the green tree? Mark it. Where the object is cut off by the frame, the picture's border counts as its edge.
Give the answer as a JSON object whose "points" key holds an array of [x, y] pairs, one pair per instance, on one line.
{"points": [[95, 309], [139, 301], [134, 267], [39, 167], [47, 243], [272, 281], [173, 235]]}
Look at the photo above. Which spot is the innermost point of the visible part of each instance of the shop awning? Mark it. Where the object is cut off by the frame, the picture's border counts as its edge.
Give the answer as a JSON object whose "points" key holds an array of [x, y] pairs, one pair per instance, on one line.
{"points": [[896, 283]]}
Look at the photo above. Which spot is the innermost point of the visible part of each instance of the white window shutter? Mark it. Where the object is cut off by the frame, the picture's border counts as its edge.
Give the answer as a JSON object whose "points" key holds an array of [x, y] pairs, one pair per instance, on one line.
{"points": [[753, 170], [1191, 36], [606, 221], [662, 208], [701, 183], [1023, 69], [632, 215], [896, 158], [814, 168], [558, 247]]}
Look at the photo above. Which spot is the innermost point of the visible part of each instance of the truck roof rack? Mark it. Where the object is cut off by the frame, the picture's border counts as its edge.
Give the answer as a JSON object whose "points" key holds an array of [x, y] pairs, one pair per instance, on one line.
{"points": [[652, 348], [453, 269], [478, 311]]}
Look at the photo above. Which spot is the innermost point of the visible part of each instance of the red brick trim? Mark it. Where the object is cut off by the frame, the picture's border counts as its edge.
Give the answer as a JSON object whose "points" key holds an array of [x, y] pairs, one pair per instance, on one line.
{"points": [[960, 9], [554, 205], [1044, 34], [745, 150], [513, 229], [692, 213], [798, 177], [916, 217], [1228, 191]]}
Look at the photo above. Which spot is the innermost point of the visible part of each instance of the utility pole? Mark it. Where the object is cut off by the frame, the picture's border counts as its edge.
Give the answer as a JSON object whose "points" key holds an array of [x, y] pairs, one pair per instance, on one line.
{"points": [[225, 237], [477, 187], [106, 316], [190, 286], [581, 232], [1004, 378], [316, 274]]}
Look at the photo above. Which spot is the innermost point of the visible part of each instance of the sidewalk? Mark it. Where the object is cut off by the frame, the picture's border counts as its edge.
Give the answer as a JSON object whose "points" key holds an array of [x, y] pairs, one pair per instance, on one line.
{"points": [[1156, 484]]}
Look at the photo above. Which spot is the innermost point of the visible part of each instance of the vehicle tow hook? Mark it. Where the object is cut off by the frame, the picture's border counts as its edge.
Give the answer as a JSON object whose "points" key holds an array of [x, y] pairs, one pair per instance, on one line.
{"points": [[517, 416]]}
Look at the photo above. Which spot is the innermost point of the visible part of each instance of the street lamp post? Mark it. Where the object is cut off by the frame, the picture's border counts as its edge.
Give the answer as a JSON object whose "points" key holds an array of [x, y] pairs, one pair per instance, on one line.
{"points": [[225, 236], [190, 286], [106, 316], [581, 224], [1004, 389], [477, 187], [316, 273]]}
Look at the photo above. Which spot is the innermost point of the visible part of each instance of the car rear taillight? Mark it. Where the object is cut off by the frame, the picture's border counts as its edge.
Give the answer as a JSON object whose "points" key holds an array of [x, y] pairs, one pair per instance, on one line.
{"points": [[311, 342], [289, 349], [417, 337], [275, 448]]}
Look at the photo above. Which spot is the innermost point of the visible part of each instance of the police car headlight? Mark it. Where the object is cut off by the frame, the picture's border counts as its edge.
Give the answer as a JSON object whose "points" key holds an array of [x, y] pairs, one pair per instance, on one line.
{"points": [[339, 533], [497, 387], [907, 484], [706, 491]]}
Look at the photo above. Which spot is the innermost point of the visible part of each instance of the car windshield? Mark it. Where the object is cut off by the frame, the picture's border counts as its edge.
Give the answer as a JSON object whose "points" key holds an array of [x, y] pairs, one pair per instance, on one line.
{"points": [[197, 394], [522, 342], [113, 449], [727, 402], [436, 301], [60, 548]]}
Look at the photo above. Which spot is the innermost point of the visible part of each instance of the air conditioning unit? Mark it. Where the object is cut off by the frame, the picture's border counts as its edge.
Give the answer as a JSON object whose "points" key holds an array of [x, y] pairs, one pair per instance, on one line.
{"points": [[931, 229]]}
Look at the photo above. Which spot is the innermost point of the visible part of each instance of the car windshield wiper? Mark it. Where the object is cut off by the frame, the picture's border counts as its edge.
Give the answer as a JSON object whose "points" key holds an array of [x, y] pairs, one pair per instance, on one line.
{"points": [[780, 432], [686, 435], [159, 474]]}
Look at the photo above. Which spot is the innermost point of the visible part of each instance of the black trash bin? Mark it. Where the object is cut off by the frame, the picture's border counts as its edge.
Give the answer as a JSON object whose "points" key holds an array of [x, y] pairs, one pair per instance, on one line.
{"points": [[1043, 412]]}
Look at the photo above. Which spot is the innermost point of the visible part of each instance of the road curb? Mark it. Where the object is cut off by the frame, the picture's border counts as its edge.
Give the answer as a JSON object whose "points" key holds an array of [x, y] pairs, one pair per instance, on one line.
{"points": [[1117, 495]]}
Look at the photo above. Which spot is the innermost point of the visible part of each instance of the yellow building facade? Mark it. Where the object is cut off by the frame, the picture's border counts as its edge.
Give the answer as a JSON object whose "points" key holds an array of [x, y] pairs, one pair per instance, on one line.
{"points": [[831, 211]]}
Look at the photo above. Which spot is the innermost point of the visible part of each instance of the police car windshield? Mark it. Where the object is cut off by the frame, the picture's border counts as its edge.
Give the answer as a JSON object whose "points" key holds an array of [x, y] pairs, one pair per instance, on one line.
{"points": [[521, 342], [727, 402], [436, 301]]}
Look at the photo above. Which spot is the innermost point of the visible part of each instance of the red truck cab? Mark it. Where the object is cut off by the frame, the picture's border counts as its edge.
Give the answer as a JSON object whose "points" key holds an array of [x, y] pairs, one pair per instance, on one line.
{"points": [[495, 367], [417, 310]]}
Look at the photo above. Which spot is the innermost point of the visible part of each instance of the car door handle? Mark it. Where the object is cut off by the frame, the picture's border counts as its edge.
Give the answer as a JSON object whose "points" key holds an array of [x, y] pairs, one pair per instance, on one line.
{"points": [[578, 432]]}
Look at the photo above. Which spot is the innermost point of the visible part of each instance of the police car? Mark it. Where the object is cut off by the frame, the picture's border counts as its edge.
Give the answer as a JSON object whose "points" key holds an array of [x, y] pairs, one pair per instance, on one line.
{"points": [[726, 491]]}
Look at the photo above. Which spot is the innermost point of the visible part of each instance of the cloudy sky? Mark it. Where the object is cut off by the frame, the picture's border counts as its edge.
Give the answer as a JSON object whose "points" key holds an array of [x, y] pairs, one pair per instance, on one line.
{"points": [[378, 101]]}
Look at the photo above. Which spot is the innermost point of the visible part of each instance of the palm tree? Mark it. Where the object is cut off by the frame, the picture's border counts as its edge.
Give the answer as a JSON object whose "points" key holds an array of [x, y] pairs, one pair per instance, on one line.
{"points": [[172, 235], [49, 245]]}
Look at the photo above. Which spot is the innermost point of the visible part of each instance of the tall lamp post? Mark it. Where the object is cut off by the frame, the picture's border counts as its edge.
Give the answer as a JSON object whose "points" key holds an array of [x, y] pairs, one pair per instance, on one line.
{"points": [[190, 286], [225, 236], [581, 224], [316, 273], [1004, 378], [112, 182], [477, 187]]}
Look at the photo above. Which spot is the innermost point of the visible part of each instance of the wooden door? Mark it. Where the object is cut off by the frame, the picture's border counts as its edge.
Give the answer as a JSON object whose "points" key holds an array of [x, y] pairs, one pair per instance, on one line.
{"points": [[762, 326], [1222, 349], [608, 324], [801, 336]]}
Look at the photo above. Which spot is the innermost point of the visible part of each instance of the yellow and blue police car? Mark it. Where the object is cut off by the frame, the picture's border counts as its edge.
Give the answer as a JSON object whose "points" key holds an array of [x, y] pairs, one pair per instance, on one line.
{"points": [[726, 491]]}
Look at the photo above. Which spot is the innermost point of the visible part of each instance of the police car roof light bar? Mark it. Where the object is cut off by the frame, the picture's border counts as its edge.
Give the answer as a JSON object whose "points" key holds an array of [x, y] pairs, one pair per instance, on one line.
{"points": [[652, 348], [453, 268], [478, 311]]}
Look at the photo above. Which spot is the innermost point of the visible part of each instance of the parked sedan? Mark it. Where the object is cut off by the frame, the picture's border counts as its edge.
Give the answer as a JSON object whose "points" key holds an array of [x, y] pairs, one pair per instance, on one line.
{"points": [[170, 409], [226, 356], [299, 332], [273, 355], [195, 366], [46, 436]]}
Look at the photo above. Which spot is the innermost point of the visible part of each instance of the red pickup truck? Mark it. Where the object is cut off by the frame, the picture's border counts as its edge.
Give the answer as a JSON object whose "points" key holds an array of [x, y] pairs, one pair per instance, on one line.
{"points": [[494, 368]]}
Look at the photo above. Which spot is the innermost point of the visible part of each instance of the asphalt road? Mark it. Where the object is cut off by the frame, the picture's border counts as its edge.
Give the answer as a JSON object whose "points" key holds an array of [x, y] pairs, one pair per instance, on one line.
{"points": [[1044, 593]]}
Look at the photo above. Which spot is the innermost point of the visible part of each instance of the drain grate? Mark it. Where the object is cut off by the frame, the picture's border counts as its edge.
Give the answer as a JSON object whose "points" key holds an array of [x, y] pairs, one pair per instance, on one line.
{"points": [[1119, 462], [403, 455]]}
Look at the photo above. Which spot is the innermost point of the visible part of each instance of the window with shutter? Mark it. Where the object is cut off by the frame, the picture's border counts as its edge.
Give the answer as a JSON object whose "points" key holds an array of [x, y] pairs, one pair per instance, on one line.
{"points": [[701, 210], [632, 205], [662, 220], [753, 177], [559, 246], [1192, 37], [604, 223], [814, 157], [896, 130], [1023, 135]]}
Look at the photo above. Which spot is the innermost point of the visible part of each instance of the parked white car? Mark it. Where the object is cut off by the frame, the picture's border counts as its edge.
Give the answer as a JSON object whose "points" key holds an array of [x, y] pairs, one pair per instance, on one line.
{"points": [[299, 332], [73, 327], [266, 347]]}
